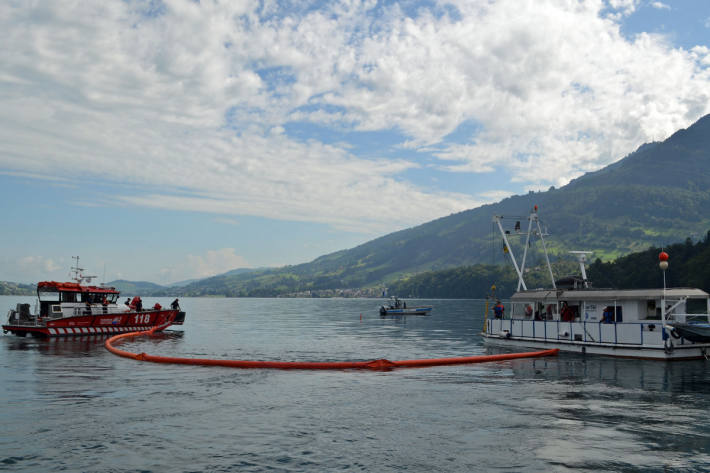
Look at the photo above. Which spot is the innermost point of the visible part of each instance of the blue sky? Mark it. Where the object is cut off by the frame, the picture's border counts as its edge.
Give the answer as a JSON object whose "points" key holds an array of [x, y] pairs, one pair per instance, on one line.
{"points": [[170, 140]]}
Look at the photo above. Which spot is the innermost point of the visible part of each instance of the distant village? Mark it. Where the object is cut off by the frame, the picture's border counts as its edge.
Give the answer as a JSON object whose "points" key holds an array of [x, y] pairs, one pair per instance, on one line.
{"points": [[367, 292]]}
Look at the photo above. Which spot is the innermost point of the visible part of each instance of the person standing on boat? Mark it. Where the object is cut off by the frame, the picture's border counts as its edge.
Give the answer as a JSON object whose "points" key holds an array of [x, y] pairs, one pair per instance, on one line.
{"points": [[498, 310], [104, 304], [607, 316], [88, 305], [567, 313], [175, 305]]}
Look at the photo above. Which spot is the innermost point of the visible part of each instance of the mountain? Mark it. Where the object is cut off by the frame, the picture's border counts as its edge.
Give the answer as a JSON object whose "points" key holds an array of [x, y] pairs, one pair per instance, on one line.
{"points": [[17, 289], [658, 194], [137, 288], [144, 288]]}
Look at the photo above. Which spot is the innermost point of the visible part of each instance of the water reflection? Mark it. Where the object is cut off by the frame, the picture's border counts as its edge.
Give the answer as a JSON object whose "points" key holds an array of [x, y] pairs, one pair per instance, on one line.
{"points": [[87, 407]]}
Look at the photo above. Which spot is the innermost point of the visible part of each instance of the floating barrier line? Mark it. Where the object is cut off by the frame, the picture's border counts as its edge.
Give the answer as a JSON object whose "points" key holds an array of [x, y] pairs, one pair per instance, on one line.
{"points": [[381, 364]]}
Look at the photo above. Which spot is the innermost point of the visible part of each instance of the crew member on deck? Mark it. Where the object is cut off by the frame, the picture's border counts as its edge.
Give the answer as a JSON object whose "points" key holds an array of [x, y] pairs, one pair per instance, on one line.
{"points": [[567, 313], [498, 310], [607, 316], [175, 305]]}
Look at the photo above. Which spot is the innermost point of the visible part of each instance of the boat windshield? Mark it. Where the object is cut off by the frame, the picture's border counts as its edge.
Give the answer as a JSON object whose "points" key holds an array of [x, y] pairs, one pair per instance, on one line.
{"points": [[48, 294]]}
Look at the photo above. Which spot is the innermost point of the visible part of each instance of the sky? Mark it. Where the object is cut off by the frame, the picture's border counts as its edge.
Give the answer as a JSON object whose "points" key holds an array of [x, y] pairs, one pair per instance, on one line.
{"points": [[167, 140]]}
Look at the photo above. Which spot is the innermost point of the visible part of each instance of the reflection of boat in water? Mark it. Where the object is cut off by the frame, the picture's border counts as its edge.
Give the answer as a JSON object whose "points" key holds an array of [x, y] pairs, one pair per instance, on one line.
{"points": [[397, 306], [73, 309], [573, 316]]}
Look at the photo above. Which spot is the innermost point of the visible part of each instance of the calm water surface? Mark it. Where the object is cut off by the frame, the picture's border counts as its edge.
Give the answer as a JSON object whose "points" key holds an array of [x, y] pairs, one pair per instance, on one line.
{"points": [[70, 405]]}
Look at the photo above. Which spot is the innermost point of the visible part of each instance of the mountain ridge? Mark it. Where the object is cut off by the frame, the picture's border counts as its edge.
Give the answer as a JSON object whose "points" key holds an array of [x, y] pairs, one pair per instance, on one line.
{"points": [[662, 186]]}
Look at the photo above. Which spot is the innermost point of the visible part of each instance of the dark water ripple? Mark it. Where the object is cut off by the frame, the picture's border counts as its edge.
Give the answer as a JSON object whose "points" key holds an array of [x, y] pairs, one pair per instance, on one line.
{"points": [[69, 405]]}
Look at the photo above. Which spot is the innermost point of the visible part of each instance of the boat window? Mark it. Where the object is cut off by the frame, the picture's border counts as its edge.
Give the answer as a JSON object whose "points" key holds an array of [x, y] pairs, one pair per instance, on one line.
{"points": [[48, 294], [696, 306], [618, 315], [652, 311], [68, 296]]}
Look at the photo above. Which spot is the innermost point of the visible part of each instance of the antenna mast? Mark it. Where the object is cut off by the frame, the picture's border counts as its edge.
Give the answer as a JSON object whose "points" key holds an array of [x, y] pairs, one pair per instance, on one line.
{"points": [[532, 219], [78, 272]]}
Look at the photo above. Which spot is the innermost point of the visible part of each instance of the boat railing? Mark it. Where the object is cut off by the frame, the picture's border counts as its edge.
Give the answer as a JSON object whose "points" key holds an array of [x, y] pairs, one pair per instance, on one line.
{"points": [[627, 333], [14, 318], [109, 310]]}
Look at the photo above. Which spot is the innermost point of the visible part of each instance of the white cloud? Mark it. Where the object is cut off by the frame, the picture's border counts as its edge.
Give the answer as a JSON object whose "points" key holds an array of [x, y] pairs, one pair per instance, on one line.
{"points": [[194, 101], [624, 7], [25, 269], [660, 6], [33, 262]]}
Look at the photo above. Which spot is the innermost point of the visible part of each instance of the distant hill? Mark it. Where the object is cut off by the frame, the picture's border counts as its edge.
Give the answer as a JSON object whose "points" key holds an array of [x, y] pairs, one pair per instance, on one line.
{"points": [[137, 288], [689, 267], [17, 289], [658, 194], [144, 288]]}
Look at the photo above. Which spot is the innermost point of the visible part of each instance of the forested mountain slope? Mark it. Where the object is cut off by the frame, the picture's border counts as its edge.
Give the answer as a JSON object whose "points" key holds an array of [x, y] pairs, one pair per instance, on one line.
{"points": [[656, 195]]}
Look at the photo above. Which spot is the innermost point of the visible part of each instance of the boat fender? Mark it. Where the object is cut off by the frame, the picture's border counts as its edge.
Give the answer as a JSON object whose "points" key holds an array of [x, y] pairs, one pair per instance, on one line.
{"points": [[564, 334], [505, 334], [675, 334]]}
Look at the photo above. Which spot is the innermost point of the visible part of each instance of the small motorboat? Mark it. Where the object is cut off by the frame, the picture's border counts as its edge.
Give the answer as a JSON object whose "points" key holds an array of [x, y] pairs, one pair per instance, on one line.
{"points": [[698, 332], [397, 306]]}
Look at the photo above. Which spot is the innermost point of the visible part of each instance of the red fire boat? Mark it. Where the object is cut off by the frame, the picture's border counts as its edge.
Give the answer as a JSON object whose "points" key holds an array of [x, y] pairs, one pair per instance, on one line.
{"points": [[71, 308]]}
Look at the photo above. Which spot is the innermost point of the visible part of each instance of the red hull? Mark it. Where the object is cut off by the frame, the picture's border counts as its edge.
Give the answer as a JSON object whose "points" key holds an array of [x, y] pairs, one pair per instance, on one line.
{"points": [[99, 324]]}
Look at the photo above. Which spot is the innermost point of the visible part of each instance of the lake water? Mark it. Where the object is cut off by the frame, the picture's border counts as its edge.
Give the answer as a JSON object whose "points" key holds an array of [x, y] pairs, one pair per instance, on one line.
{"points": [[70, 405]]}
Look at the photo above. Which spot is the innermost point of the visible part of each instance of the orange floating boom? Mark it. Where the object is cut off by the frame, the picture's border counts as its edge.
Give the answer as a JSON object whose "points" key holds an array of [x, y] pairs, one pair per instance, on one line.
{"points": [[381, 364]]}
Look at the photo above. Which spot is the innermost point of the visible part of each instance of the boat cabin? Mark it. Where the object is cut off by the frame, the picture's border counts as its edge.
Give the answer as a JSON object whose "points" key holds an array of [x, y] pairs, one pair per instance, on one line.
{"points": [[610, 306], [66, 299]]}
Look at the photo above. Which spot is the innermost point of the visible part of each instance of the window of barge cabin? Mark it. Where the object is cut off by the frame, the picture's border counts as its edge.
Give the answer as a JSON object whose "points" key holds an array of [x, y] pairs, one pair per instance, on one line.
{"points": [[617, 313], [653, 310], [68, 296]]}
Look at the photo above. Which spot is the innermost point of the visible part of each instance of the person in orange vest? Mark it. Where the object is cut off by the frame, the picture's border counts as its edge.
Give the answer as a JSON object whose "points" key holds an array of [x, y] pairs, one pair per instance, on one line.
{"points": [[499, 310], [528, 311], [567, 313]]}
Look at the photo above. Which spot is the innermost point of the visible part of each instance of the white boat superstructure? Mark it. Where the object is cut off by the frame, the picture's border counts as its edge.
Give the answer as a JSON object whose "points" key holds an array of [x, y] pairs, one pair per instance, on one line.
{"points": [[663, 323]]}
